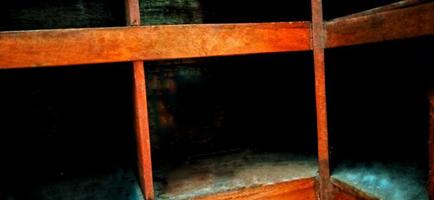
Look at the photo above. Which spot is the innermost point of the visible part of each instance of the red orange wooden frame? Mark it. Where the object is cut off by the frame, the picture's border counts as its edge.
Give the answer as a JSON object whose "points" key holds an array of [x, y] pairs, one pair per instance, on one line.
{"points": [[141, 111], [50, 48]]}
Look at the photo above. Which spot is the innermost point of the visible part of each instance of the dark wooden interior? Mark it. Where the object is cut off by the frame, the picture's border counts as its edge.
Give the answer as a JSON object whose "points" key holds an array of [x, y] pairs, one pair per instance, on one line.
{"points": [[198, 99]]}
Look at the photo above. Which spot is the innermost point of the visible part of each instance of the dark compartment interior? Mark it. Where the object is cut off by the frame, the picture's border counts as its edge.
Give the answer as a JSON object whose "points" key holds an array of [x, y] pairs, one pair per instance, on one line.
{"points": [[378, 116], [67, 133], [48, 14]]}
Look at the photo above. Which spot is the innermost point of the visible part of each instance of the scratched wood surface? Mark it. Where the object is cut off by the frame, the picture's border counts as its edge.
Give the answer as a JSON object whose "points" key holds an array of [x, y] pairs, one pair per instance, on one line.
{"points": [[342, 191], [158, 12], [79, 46]]}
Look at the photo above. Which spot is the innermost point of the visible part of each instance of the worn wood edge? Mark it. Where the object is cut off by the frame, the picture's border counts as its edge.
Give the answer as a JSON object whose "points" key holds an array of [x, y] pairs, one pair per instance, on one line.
{"points": [[60, 47], [342, 187], [301, 189], [318, 44], [403, 23]]}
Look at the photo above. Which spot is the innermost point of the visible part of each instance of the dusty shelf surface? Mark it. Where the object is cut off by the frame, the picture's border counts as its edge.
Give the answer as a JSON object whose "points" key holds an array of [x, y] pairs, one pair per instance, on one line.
{"points": [[121, 184], [387, 181], [219, 173]]}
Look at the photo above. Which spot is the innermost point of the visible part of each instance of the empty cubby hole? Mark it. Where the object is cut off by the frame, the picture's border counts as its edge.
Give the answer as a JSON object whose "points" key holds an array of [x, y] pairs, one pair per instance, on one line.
{"points": [[223, 11], [378, 116], [48, 14], [219, 124], [68, 133]]}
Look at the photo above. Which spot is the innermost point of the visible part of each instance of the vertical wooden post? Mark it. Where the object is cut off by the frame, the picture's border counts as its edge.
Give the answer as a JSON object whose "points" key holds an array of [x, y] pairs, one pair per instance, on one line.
{"points": [[318, 41], [431, 146], [141, 111]]}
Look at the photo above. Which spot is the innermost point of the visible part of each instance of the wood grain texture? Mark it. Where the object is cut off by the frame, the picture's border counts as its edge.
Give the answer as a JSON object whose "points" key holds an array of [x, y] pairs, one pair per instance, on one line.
{"points": [[431, 146], [408, 22], [318, 34], [141, 111], [142, 130], [303, 189], [20, 49], [342, 191], [132, 11], [49, 14]]}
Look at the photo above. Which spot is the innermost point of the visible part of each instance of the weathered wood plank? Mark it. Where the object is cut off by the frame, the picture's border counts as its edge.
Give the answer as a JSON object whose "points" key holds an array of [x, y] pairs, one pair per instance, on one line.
{"points": [[342, 191], [392, 24], [20, 49], [141, 111], [318, 34], [142, 131], [303, 189]]}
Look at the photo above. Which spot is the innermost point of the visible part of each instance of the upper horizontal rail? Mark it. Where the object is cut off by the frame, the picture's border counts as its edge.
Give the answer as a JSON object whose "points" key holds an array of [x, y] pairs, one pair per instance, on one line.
{"points": [[398, 23], [21, 49]]}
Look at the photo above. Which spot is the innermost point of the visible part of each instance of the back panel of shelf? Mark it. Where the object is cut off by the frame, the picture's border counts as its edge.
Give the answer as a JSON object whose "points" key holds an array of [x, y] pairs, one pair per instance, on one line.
{"points": [[49, 14]]}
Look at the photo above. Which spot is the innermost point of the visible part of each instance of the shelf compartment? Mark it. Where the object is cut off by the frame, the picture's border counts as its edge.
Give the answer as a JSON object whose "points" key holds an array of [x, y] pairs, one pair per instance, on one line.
{"points": [[68, 133], [216, 123], [378, 117]]}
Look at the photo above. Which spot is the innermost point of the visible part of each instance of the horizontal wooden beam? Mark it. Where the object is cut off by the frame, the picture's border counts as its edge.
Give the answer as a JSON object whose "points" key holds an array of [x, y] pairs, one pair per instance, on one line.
{"points": [[401, 23], [303, 189], [392, 6], [21, 49]]}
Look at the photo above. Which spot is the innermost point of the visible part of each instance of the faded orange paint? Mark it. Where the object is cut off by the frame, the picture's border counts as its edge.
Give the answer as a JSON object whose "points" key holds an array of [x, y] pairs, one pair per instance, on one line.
{"points": [[142, 131], [20, 49]]}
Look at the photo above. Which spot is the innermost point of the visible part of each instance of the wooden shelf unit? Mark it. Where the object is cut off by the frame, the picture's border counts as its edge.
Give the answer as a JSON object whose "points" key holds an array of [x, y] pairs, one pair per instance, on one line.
{"points": [[136, 44]]}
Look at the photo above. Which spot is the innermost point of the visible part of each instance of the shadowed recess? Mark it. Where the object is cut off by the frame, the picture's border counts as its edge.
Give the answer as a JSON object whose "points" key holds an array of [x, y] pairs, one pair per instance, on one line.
{"points": [[67, 133], [336, 8], [224, 11], [48, 14], [378, 116]]}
